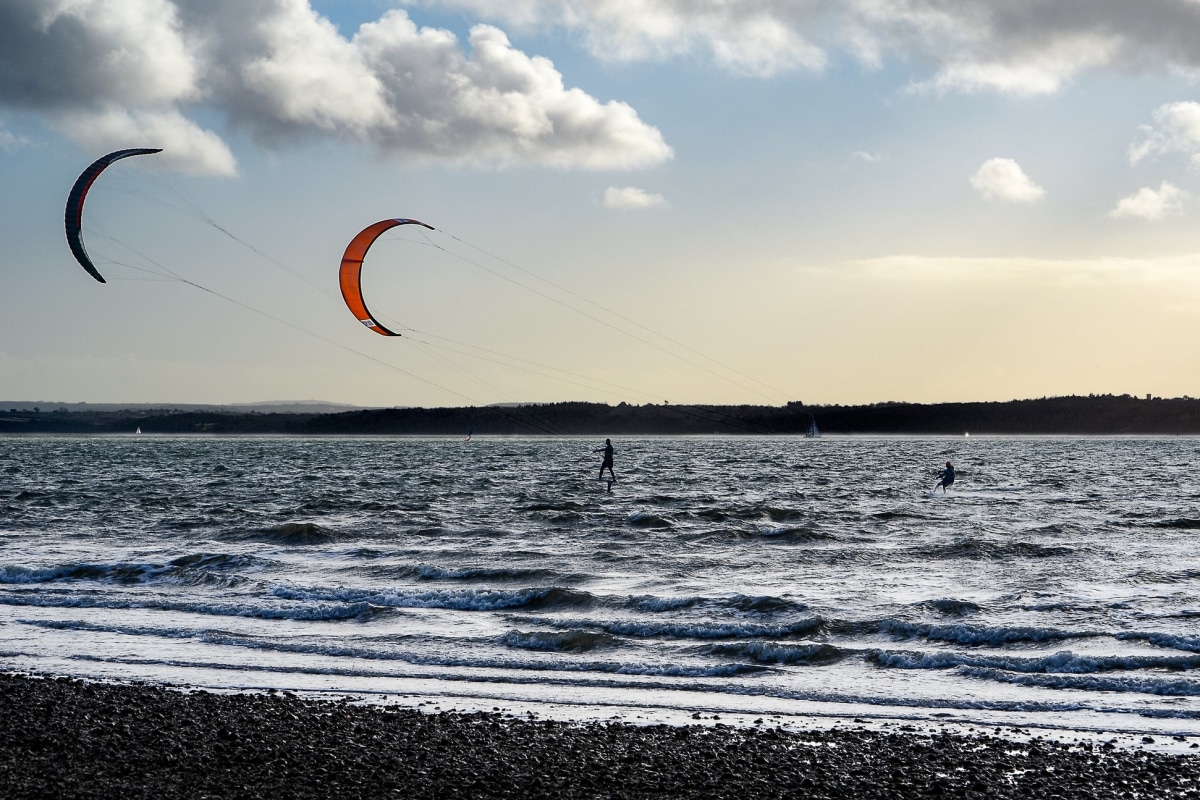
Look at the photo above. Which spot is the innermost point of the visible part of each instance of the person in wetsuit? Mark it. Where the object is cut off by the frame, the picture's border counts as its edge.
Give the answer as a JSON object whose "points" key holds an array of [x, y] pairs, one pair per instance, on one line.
{"points": [[947, 477], [608, 459]]}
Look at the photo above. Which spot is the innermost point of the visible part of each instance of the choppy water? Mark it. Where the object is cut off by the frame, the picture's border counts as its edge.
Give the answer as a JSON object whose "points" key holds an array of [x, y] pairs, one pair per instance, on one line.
{"points": [[1058, 583]]}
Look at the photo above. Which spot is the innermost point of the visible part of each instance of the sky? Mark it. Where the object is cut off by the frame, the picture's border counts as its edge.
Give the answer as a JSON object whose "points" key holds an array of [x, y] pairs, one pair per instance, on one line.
{"points": [[642, 201]]}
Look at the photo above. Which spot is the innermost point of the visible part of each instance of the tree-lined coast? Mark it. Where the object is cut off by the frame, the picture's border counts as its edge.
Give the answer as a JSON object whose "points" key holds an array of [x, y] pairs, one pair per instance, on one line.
{"points": [[1092, 415]]}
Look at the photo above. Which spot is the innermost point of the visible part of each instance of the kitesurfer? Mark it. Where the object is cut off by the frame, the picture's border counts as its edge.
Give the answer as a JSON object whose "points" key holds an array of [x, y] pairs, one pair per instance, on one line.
{"points": [[947, 477], [608, 459]]}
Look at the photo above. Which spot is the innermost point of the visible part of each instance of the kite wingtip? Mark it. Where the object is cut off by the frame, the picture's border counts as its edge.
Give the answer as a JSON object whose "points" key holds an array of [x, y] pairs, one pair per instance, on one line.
{"points": [[410, 221]]}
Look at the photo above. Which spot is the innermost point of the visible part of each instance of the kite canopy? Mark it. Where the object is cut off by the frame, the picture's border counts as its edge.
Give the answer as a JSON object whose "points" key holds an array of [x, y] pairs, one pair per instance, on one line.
{"points": [[74, 214], [351, 271]]}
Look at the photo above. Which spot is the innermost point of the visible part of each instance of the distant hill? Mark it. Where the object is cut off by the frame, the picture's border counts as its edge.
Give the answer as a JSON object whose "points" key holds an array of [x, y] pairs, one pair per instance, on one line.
{"points": [[1096, 414]]}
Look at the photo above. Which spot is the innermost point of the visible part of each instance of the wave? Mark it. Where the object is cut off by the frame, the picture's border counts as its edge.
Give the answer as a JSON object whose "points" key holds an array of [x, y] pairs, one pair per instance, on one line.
{"points": [[1172, 641], [209, 569], [289, 533], [888, 516], [213, 569], [783, 533], [567, 505], [431, 572], [360, 611], [641, 629], [1062, 662], [539, 598], [952, 608], [644, 519], [785, 514], [595, 677], [1180, 523], [757, 604], [977, 548], [387, 650], [801, 533], [100, 573], [570, 641], [569, 673], [975, 635], [1171, 687], [815, 654]]}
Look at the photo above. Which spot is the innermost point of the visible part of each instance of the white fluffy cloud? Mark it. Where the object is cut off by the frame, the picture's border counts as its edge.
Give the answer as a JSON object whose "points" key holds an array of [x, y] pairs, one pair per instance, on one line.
{"points": [[1152, 204], [1176, 129], [629, 198], [186, 146], [1003, 179], [136, 72], [498, 105]]}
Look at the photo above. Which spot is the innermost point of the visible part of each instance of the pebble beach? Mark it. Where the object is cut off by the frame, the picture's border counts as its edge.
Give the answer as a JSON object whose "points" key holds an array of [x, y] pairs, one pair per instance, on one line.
{"points": [[69, 738]]}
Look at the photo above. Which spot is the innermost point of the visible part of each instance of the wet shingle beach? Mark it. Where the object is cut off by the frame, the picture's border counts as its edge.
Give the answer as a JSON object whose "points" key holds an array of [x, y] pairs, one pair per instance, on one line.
{"points": [[69, 738]]}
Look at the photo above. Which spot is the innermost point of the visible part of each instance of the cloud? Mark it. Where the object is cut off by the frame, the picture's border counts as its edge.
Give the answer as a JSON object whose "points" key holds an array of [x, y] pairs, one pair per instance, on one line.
{"points": [[1009, 46], [1149, 204], [127, 71], [498, 105], [77, 54], [281, 72], [869, 158], [1024, 47], [745, 36], [11, 142], [1003, 179], [186, 146], [1043, 71], [629, 198], [1176, 130]]}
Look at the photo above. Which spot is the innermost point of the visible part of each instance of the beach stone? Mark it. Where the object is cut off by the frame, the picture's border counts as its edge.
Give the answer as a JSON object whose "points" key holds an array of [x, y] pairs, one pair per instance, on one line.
{"points": [[73, 739]]}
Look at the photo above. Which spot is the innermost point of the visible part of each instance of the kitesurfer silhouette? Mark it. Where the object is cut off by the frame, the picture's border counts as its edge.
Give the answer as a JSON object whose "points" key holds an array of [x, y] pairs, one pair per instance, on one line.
{"points": [[947, 477], [608, 459]]}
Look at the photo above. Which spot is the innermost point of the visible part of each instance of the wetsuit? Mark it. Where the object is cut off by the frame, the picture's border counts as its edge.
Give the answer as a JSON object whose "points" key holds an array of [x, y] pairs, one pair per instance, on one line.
{"points": [[947, 477], [608, 460]]}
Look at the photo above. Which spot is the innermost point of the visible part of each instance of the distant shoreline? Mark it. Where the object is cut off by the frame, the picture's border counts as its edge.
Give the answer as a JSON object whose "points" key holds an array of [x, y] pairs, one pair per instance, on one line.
{"points": [[1092, 415]]}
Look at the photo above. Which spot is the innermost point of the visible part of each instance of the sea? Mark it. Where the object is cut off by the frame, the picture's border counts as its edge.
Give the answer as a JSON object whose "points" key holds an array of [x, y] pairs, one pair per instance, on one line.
{"points": [[1056, 585]]}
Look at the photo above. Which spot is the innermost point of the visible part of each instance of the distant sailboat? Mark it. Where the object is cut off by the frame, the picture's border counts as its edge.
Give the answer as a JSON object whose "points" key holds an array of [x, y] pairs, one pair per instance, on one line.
{"points": [[812, 432], [139, 430]]}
